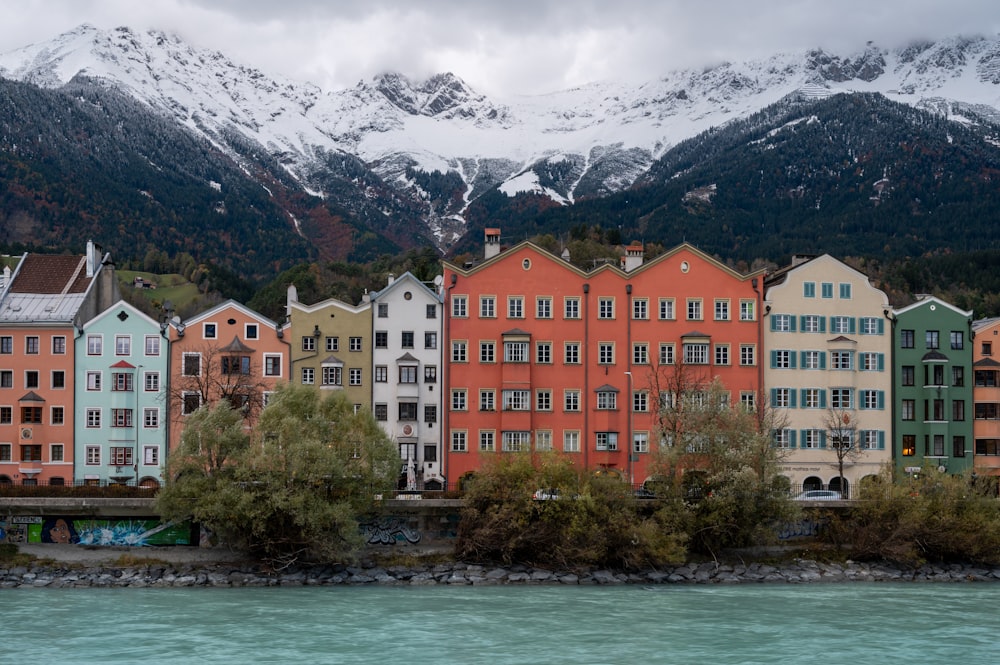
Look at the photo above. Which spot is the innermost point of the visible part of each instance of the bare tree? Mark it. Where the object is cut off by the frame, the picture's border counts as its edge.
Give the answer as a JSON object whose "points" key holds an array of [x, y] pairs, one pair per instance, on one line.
{"points": [[842, 428], [211, 374]]}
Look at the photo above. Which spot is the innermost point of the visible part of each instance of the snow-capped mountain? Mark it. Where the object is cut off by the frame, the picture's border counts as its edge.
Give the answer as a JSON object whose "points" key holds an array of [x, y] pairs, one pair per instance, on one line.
{"points": [[567, 145]]}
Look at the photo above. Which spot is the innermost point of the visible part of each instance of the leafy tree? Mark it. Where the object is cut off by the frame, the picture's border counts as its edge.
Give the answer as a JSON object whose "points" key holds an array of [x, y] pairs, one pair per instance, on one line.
{"points": [[292, 488]]}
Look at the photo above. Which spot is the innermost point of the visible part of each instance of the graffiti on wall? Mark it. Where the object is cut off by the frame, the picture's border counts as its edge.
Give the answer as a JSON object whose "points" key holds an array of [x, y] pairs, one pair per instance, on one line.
{"points": [[389, 531], [66, 530], [800, 529]]}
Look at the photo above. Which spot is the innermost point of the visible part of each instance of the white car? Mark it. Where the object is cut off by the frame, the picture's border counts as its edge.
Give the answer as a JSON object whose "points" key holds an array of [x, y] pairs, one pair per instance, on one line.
{"points": [[819, 495]]}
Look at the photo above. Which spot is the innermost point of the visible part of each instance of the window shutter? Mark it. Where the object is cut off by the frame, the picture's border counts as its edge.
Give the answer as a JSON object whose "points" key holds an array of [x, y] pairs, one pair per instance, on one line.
{"points": [[822, 359], [881, 326], [822, 439], [791, 323], [852, 324], [791, 438], [774, 394], [881, 440], [822, 399], [774, 324], [880, 359], [880, 399], [791, 359], [774, 357], [822, 324], [791, 398], [802, 322]]}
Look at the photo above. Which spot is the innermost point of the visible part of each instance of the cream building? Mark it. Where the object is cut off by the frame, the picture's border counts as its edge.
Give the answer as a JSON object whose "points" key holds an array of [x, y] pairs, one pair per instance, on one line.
{"points": [[827, 373]]}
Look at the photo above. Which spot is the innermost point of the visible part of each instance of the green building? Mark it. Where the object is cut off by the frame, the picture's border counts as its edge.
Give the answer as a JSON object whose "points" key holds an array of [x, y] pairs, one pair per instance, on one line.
{"points": [[932, 381]]}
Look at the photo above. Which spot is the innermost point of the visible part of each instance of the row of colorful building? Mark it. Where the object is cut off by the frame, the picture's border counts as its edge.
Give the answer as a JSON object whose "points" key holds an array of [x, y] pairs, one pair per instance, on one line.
{"points": [[519, 351]]}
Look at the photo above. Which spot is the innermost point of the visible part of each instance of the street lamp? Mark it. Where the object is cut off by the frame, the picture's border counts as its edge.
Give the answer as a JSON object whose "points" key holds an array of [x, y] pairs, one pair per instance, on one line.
{"points": [[631, 443]]}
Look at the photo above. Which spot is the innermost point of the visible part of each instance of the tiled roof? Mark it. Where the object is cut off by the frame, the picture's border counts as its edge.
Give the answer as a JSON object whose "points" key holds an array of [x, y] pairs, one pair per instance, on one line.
{"points": [[46, 288]]}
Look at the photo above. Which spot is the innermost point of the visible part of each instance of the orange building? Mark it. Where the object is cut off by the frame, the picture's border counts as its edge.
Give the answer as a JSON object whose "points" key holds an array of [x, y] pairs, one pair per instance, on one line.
{"points": [[227, 352], [541, 355], [986, 396]]}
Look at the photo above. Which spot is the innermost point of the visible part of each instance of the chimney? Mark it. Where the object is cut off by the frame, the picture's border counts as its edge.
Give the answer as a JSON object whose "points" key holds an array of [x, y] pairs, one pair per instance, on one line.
{"points": [[292, 295], [392, 278], [92, 260], [492, 243], [633, 256]]}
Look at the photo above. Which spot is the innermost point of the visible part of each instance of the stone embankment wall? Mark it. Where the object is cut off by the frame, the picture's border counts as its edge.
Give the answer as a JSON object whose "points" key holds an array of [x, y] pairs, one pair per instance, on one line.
{"points": [[246, 575]]}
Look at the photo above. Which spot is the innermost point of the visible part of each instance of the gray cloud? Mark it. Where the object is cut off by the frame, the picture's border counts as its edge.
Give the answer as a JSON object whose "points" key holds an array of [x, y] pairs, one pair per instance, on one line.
{"points": [[515, 46]]}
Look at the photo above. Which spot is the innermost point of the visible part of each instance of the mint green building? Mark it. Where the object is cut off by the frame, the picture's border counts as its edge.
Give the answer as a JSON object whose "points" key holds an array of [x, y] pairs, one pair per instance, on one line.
{"points": [[932, 381]]}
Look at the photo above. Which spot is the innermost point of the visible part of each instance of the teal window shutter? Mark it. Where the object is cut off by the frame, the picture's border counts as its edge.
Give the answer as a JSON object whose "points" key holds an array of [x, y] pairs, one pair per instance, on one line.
{"points": [[822, 439], [774, 396], [881, 326], [881, 362], [822, 359], [822, 324], [791, 438], [881, 440], [791, 359], [822, 398], [774, 324], [791, 323], [852, 324], [774, 358], [791, 398], [880, 397]]}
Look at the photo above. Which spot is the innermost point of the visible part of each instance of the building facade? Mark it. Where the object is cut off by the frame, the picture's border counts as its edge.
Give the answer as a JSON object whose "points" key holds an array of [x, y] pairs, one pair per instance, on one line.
{"points": [[121, 375], [228, 352], [544, 356], [932, 357], [828, 373], [986, 394], [406, 357], [45, 301]]}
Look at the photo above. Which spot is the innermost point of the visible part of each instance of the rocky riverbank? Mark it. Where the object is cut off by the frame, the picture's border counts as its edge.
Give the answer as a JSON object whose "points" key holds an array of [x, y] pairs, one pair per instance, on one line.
{"points": [[215, 574]]}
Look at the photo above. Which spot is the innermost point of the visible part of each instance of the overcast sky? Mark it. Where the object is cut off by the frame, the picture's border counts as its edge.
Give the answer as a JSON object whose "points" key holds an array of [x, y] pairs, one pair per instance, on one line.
{"points": [[505, 46]]}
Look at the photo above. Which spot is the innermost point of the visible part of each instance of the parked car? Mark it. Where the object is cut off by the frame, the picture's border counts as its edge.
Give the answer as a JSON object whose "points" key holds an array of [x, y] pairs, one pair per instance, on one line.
{"points": [[644, 493], [819, 495], [545, 494]]}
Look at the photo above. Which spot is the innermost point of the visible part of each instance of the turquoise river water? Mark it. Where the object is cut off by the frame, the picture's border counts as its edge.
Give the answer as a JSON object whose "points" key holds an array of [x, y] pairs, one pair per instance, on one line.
{"points": [[852, 624]]}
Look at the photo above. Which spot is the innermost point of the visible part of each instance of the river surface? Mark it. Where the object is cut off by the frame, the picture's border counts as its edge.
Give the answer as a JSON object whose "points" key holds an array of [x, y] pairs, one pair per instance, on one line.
{"points": [[830, 624]]}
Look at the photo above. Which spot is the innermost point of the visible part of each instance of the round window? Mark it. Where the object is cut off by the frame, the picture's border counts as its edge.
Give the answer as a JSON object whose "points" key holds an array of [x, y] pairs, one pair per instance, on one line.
{"points": [[684, 266], [526, 264]]}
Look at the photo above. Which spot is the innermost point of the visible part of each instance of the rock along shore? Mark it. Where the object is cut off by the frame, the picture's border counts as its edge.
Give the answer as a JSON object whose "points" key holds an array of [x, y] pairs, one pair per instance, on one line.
{"points": [[159, 575]]}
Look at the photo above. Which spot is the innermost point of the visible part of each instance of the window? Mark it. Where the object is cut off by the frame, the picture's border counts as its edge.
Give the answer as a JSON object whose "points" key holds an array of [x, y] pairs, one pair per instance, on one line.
{"points": [[809, 289], [458, 352], [430, 373], [605, 307], [543, 307], [459, 443], [93, 417], [666, 354], [121, 417], [58, 345], [543, 400], [150, 418], [121, 382], [383, 310], [406, 339], [607, 440], [487, 441], [458, 399], [748, 400], [6, 378], [515, 307], [694, 309], [190, 402], [235, 365], [543, 352], [907, 409], [381, 339], [826, 289], [151, 455], [640, 353], [31, 345], [571, 400], [906, 339], [958, 446], [571, 308], [606, 353], [696, 354], [842, 325], [7, 344], [667, 309], [430, 413], [721, 310], [407, 411], [812, 438], [56, 452], [782, 359], [152, 345], [812, 323], [813, 398], [909, 445], [721, 354], [543, 440], [607, 400], [840, 398], [907, 375], [841, 359], [57, 415], [813, 360], [191, 364], [514, 442], [354, 375], [487, 307], [958, 376], [748, 310], [250, 331], [957, 340], [123, 345], [933, 375], [382, 412], [5, 452], [871, 325], [958, 409], [407, 374], [516, 400], [381, 374], [431, 311], [781, 398], [487, 352], [985, 378], [871, 362], [94, 345], [783, 438], [121, 456], [845, 291], [983, 447], [31, 453], [515, 352], [93, 455], [872, 399], [640, 442], [333, 344], [571, 441], [209, 331], [430, 340], [31, 379], [6, 415], [640, 401], [272, 364], [93, 381], [308, 376], [332, 375], [354, 344], [487, 400], [931, 338], [640, 309], [782, 323], [571, 353], [459, 306]]}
